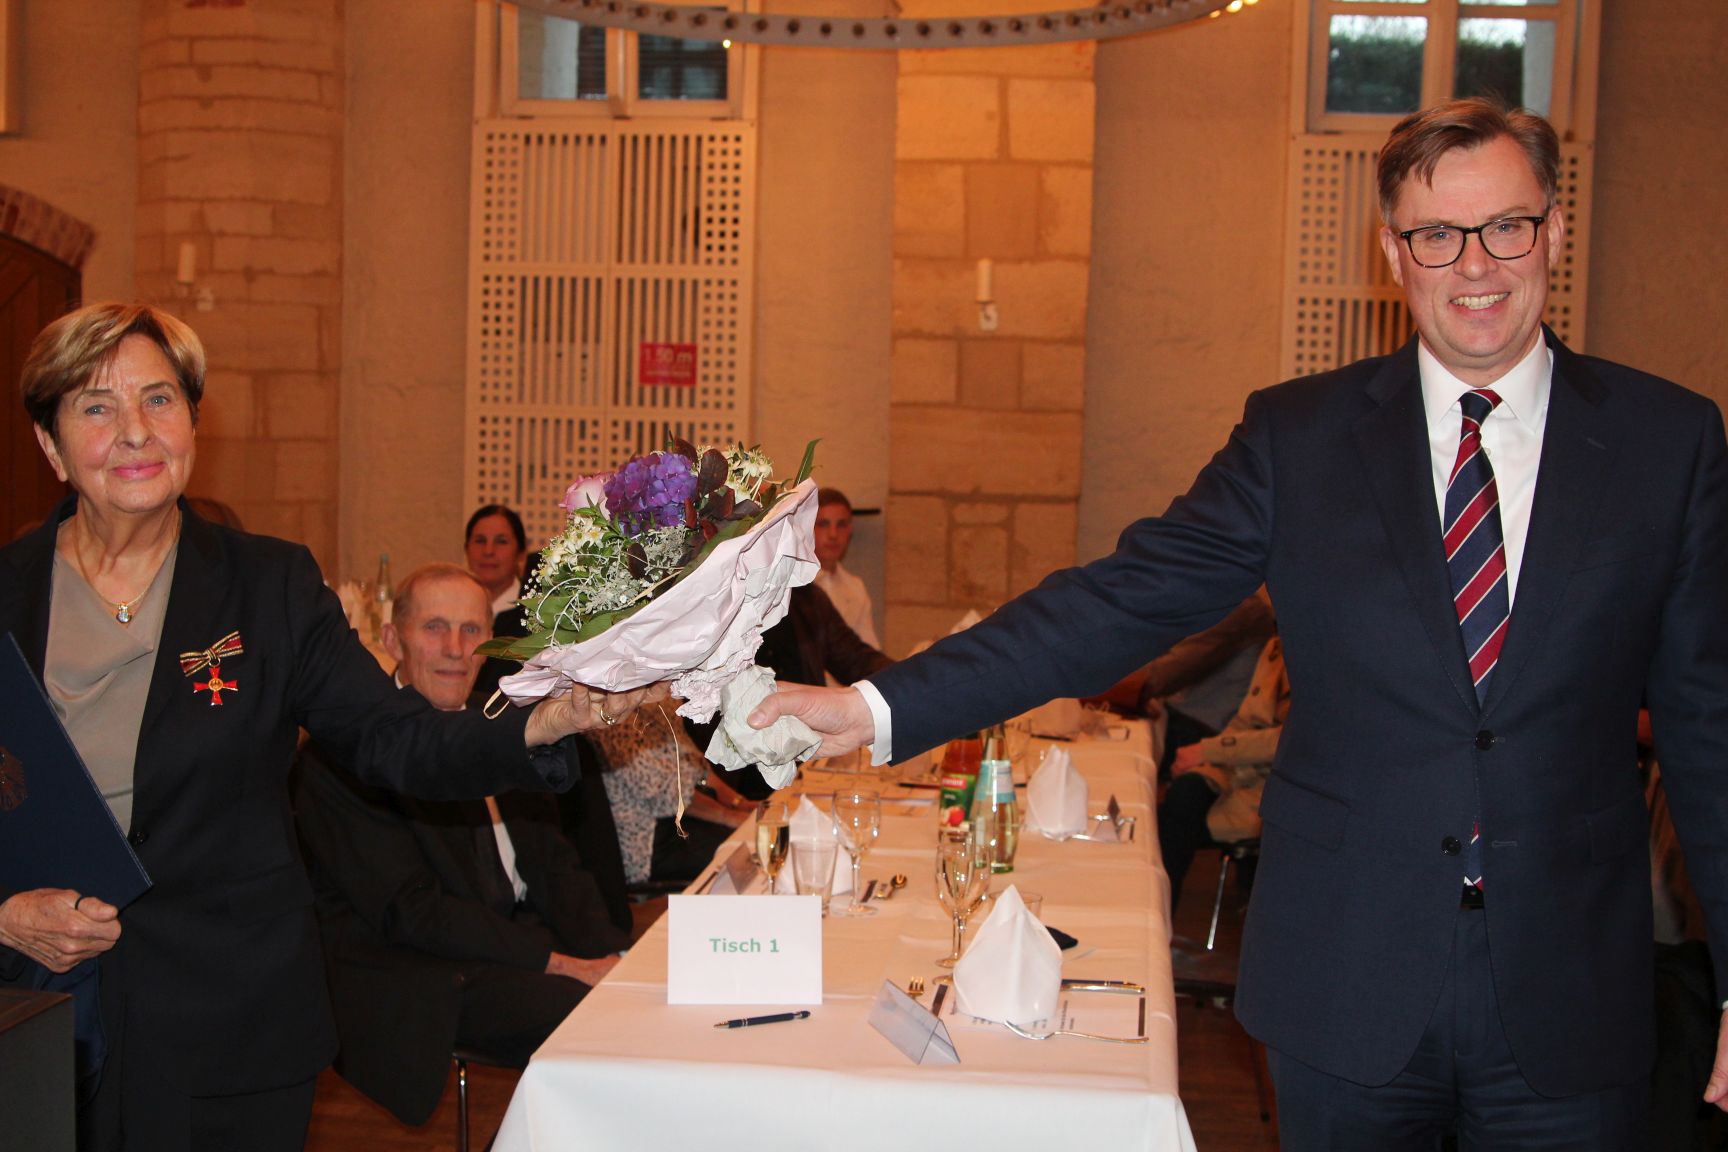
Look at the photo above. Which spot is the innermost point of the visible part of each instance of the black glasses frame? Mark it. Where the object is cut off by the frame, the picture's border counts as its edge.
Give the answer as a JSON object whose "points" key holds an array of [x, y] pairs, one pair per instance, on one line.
{"points": [[1466, 233]]}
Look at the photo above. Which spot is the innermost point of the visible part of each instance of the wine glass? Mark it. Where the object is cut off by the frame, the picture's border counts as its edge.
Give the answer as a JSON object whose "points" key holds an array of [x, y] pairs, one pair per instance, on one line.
{"points": [[962, 879], [773, 838], [858, 820]]}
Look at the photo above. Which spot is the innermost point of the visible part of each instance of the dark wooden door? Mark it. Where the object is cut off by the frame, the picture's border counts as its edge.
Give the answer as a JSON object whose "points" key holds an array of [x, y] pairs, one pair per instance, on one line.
{"points": [[35, 289]]}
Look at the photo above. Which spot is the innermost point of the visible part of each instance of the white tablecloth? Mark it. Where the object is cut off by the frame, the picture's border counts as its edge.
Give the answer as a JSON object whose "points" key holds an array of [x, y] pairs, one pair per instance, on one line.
{"points": [[629, 1071]]}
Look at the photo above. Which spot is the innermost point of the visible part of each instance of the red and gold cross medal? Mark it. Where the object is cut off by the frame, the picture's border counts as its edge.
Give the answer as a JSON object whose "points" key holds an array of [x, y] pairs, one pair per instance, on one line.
{"points": [[192, 663], [215, 685]]}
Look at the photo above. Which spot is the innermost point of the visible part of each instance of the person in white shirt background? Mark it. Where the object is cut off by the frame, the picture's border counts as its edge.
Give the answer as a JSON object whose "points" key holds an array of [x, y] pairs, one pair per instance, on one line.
{"points": [[833, 537]]}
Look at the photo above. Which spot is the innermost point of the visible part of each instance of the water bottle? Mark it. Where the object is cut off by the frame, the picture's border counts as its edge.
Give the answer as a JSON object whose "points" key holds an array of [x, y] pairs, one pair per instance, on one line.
{"points": [[995, 811]]}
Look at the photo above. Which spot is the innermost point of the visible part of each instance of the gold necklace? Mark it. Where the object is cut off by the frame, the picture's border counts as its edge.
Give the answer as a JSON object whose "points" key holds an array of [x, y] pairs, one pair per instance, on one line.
{"points": [[124, 610]]}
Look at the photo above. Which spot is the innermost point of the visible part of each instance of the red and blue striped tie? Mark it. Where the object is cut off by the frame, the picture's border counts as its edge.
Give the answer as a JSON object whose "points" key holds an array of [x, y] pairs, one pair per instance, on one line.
{"points": [[1475, 546]]}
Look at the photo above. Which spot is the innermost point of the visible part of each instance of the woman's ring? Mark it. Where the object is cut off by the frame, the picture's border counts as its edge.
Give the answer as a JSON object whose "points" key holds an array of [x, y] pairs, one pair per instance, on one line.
{"points": [[606, 717]]}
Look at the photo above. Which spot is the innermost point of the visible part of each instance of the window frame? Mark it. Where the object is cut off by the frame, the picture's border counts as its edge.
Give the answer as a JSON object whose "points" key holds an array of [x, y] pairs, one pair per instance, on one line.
{"points": [[1439, 56], [623, 72]]}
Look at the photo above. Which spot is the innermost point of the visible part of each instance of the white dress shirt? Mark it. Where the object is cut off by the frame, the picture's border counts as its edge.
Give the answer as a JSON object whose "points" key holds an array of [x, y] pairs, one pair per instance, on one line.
{"points": [[507, 599], [851, 599], [506, 850], [1511, 438]]}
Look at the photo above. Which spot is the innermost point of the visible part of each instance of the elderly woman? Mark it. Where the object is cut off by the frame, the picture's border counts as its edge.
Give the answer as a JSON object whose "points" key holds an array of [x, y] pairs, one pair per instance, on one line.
{"points": [[212, 995]]}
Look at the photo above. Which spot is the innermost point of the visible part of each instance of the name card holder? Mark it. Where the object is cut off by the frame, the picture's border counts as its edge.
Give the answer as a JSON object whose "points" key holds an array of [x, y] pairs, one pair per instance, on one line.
{"points": [[744, 950]]}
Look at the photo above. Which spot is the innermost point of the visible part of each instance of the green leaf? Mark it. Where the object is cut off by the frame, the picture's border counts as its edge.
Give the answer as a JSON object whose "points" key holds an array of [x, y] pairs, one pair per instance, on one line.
{"points": [[809, 463]]}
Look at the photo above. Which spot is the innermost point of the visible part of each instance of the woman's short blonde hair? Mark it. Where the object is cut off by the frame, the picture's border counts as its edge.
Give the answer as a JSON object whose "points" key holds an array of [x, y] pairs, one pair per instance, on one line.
{"points": [[71, 350]]}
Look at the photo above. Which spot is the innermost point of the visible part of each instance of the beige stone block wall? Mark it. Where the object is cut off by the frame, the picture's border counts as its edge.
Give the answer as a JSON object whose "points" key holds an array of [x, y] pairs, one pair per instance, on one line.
{"points": [[239, 155], [408, 117], [994, 155], [1184, 316]]}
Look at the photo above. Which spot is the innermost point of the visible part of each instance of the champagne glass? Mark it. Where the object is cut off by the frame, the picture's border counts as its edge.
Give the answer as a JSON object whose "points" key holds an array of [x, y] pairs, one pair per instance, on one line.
{"points": [[858, 820], [773, 838], [962, 878]]}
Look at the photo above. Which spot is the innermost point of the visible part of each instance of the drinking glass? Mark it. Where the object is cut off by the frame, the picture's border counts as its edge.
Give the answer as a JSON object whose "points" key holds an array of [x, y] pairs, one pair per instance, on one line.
{"points": [[773, 838], [813, 868], [858, 820], [962, 878]]}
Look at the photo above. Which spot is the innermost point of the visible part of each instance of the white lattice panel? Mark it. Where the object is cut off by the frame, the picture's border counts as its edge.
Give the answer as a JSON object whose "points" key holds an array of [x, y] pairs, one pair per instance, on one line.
{"points": [[1340, 302], [591, 241]]}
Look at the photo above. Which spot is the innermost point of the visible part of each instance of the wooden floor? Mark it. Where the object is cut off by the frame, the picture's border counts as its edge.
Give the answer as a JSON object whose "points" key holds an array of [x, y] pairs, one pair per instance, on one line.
{"points": [[1217, 1067]]}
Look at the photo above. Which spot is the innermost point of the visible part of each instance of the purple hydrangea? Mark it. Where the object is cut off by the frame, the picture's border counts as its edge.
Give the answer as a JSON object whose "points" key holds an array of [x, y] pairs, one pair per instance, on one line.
{"points": [[650, 492]]}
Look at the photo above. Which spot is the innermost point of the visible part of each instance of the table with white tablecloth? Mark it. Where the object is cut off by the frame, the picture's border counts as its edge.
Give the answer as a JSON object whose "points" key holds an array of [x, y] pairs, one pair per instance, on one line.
{"points": [[629, 1071]]}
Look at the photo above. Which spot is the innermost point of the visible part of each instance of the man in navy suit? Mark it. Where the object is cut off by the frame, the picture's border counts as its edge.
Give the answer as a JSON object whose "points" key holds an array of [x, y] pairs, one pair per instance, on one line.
{"points": [[1451, 928]]}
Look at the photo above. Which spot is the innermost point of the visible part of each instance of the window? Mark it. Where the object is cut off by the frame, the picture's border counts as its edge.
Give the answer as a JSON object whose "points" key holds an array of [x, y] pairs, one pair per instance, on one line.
{"points": [[554, 66], [1371, 61], [1366, 63], [611, 275]]}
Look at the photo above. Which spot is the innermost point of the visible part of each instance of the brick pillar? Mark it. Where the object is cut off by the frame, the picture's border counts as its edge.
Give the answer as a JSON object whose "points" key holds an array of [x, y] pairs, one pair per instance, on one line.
{"points": [[240, 147], [993, 161]]}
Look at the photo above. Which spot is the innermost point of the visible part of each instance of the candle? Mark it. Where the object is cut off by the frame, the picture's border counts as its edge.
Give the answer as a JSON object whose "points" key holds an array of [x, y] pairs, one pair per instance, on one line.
{"points": [[986, 278], [188, 270]]}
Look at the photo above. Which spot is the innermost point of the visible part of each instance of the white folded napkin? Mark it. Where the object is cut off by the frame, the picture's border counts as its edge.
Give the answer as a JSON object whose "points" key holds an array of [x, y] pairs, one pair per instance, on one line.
{"points": [[1056, 797], [1012, 973], [777, 749], [809, 824]]}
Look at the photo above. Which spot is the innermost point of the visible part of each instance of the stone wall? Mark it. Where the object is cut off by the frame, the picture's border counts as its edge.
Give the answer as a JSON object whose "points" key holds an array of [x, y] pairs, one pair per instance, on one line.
{"points": [[993, 160], [239, 155]]}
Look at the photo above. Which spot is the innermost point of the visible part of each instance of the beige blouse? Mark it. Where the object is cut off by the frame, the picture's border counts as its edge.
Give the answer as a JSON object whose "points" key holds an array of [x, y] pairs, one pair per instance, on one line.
{"points": [[98, 675]]}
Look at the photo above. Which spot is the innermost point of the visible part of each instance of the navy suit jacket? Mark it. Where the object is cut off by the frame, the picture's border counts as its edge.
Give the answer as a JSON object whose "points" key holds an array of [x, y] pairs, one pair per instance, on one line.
{"points": [[223, 978], [1325, 492]]}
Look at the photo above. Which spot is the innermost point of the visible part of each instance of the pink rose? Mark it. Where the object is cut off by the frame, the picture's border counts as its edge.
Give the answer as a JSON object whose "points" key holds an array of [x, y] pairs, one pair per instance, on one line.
{"points": [[586, 492]]}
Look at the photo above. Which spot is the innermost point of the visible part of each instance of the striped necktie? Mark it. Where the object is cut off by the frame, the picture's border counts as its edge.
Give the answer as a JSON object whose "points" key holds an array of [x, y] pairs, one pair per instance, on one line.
{"points": [[1475, 547]]}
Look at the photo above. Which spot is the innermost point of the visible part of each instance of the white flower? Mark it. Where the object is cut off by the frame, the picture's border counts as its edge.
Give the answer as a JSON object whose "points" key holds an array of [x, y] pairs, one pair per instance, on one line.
{"points": [[747, 470]]}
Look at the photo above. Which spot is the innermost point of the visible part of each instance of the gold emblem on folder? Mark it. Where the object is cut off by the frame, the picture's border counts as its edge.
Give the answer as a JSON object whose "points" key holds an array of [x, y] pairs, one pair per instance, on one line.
{"points": [[12, 789]]}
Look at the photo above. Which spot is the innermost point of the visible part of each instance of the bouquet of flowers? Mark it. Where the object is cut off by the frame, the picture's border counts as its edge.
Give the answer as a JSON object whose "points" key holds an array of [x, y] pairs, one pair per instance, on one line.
{"points": [[670, 568]]}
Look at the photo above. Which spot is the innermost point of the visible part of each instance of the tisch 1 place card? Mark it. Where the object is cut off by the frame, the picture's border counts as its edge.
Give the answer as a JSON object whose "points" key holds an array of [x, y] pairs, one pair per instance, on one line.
{"points": [[744, 950]]}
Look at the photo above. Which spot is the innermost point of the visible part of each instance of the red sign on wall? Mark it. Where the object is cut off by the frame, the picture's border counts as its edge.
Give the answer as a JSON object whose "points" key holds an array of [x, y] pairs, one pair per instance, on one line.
{"points": [[667, 365]]}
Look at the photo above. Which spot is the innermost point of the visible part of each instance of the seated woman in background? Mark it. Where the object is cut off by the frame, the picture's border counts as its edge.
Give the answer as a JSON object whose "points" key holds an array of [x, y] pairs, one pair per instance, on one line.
{"points": [[1215, 795], [648, 759], [497, 549]]}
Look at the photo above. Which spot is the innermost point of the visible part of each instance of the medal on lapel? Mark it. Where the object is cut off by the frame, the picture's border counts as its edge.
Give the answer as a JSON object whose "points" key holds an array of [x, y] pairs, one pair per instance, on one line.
{"points": [[192, 663]]}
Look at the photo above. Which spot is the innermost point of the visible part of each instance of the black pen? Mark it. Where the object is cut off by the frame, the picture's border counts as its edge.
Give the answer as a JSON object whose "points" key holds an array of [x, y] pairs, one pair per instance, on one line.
{"points": [[748, 1021]]}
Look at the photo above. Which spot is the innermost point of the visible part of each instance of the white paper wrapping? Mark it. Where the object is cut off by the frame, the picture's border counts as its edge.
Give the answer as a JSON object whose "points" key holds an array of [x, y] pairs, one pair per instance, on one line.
{"points": [[1056, 797], [703, 631], [777, 749], [1012, 973]]}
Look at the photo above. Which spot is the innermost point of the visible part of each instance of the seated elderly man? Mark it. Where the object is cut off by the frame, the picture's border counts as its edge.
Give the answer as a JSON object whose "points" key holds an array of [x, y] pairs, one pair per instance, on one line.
{"points": [[470, 923]]}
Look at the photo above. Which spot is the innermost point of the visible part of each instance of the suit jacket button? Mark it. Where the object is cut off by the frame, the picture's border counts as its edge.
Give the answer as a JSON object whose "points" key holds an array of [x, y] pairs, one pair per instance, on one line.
{"points": [[135, 837], [1451, 846], [1484, 740]]}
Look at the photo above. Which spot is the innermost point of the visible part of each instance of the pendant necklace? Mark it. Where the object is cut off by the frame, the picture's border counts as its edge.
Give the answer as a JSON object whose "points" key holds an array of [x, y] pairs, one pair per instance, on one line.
{"points": [[124, 610]]}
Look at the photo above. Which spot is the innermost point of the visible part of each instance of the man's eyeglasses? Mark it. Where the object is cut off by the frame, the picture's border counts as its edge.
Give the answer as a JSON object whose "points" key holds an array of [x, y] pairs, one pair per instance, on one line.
{"points": [[1439, 245]]}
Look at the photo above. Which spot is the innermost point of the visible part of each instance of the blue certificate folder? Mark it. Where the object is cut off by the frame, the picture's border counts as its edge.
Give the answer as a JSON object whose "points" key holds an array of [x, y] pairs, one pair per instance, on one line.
{"points": [[56, 831]]}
